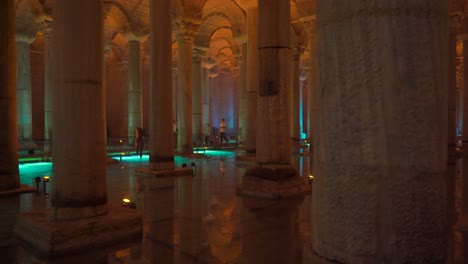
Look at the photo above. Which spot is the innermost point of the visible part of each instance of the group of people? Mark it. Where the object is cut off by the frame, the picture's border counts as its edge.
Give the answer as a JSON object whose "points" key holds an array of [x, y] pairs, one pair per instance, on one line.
{"points": [[140, 136]]}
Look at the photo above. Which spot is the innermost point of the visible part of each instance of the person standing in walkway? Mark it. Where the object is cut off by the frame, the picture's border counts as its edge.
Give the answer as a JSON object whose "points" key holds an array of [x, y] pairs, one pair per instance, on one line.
{"points": [[174, 130], [222, 131]]}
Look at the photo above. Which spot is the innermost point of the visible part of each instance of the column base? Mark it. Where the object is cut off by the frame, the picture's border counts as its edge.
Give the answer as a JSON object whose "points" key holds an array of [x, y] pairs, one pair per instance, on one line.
{"points": [[148, 179], [273, 182], [22, 189], [57, 238]]}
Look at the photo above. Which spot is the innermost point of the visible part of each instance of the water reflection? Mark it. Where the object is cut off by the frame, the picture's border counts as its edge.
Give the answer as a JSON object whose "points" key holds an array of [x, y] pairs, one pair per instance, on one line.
{"points": [[202, 220]]}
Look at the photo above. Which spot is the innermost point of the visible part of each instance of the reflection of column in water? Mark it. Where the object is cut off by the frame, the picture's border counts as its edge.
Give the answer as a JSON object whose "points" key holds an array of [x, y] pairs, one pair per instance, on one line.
{"points": [[158, 216], [191, 215], [451, 206], [206, 192], [274, 226], [9, 207]]}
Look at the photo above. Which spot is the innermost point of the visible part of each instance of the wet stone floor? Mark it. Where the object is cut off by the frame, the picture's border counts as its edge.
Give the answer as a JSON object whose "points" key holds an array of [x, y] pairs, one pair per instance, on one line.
{"points": [[209, 222]]}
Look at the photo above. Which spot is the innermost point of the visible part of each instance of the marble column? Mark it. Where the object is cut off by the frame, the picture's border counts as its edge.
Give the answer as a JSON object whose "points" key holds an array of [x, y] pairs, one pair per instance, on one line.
{"points": [[295, 97], [23, 85], [380, 155], [243, 114], [9, 175], [79, 151], [135, 104], [49, 85], [158, 211], [161, 145], [206, 102], [252, 80], [452, 87], [197, 81], [312, 85], [207, 64], [186, 31], [273, 120], [251, 76]]}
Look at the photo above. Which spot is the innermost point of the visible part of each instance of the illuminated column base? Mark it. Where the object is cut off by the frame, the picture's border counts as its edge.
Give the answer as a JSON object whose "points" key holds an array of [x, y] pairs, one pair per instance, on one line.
{"points": [[273, 182], [56, 238]]}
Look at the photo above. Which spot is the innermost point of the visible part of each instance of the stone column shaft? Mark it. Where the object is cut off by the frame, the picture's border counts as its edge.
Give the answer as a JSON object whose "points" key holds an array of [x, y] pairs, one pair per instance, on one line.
{"points": [[23, 84], [273, 106], [312, 85], [49, 72], [243, 114], [79, 150], [135, 104], [380, 158], [9, 175], [252, 80], [206, 102], [295, 97], [465, 120], [197, 94], [184, 83], [161, 133], [452, 90]]}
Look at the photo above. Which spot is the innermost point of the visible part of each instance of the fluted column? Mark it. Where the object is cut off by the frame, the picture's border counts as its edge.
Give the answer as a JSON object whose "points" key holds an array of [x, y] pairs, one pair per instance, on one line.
{"points": [[79, 151], [186, 31], [380, 158], [252, 80], [9, 175], [273, 120], [135, 104], [161, 149], [197, 81], [295, 97], [23, 84]]}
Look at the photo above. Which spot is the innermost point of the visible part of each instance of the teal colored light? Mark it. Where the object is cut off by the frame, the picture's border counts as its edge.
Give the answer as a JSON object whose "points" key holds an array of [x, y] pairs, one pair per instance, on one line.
{"points": [[222, 153], [133, 158], [32, 170], [144, 158]]}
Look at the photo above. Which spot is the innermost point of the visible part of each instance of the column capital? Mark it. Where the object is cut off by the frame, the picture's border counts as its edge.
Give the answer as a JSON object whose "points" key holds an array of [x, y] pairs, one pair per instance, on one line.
{"points": [[208, 62], [213, 72], [235, 72], [197, 54], [25, 37], [186, 29], [45, 24], [132, 35], [123, 65], [296, 52], [241, 39], [247, 4]]}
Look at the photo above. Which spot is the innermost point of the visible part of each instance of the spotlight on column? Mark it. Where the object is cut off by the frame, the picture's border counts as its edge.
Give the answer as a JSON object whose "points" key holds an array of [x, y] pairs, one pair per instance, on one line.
{"points": [[45, 180], [127, 203], [311, 178]]}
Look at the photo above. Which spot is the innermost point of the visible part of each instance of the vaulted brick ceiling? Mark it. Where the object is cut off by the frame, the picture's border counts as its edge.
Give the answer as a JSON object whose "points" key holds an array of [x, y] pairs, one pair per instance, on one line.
{"points": [[222, 22]]}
